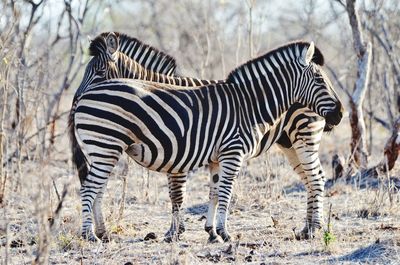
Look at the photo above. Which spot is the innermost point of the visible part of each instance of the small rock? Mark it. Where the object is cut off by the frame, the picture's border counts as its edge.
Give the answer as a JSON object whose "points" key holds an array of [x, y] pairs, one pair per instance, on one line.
{"points": [[248, 258], [229, 250], [203, 217], [184, 245], [274, 221], [150, 236], [128, 263], [3, 241], [16, 243]]}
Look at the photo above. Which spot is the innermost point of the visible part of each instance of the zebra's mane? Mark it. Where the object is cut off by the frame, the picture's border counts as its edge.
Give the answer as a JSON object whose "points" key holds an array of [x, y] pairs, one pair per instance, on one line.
{"points": [[136, 50], [97, 46], [318, 58]]}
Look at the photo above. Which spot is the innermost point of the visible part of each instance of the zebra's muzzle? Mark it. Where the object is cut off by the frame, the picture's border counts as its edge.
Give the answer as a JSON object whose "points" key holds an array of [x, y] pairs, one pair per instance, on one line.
{"points": [[334, 117]]}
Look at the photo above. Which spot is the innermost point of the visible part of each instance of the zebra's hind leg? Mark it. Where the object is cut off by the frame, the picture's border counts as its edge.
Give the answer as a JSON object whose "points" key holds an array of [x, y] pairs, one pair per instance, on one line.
{"points": [[212, 206], [227, 173], [177, 187], [93, 185], [100, 227], [88, 193]]}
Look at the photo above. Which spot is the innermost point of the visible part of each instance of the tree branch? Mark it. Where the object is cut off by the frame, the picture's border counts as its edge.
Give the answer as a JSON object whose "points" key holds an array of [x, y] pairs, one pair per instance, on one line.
{"points": [[341, 86], [363, 75], [358, 40]]}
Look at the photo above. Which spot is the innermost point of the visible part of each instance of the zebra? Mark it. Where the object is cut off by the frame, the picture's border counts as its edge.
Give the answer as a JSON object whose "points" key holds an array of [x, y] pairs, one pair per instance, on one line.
{"points": [[110, 52], [301, 148], [226, 147]]}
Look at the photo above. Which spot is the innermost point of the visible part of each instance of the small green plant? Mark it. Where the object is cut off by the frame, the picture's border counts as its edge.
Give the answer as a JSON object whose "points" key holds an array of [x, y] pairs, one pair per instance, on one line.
{"points": [[65, 241], [329, 237]]}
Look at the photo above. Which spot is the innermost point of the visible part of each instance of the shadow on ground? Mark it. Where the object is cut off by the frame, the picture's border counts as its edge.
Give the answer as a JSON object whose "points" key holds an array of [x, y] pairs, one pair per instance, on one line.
{"points": [[197, 209], [380, 252], [360, 181], [294, 188], [364, 181]]}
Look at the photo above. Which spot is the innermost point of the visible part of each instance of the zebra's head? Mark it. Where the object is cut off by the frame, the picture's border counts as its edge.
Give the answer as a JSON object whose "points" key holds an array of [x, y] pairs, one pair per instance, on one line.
{"points": [[117, 55], [102, 65], [316, 90]]}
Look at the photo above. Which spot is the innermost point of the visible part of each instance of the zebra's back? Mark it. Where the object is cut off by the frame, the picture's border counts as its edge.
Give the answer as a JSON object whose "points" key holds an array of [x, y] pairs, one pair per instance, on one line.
{"points": [[166, 130]]}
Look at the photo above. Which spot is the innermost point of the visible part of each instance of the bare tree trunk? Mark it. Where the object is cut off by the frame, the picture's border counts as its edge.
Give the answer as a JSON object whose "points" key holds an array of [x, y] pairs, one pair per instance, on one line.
{"points": [[3, 173], [392, 148], [363, 51], [390, 153]]}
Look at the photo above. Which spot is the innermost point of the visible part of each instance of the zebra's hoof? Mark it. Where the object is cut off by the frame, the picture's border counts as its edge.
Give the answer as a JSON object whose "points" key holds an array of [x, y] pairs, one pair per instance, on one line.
{"points": [[304, 234], [212, 239], [90, 237], [171, 237], [104, 237], [181, 229], [226, 237]]}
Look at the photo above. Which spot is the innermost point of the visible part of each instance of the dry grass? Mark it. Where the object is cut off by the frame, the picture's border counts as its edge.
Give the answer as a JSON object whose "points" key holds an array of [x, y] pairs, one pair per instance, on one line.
{"points": [[269, 202]]}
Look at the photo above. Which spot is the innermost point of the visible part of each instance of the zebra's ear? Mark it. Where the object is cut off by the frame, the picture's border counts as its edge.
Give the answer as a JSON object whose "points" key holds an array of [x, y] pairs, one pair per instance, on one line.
{"points": [[112, 43], [309, 53]]}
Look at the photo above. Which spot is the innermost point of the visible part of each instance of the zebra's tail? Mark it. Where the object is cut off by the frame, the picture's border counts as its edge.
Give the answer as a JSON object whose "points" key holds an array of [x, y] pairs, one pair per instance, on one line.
{"points": [[78, 157]]}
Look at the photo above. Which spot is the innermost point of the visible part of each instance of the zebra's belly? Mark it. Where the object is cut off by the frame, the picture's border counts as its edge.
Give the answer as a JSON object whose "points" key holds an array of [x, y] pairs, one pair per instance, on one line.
{"points": [[146, 157], [178, 159]]}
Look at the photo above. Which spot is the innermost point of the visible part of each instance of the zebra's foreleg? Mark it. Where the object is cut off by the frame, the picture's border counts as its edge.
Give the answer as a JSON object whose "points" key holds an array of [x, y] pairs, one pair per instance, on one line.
{"points": [[311, 165], [228, 171], [212, 206], [294, 162], [177, 187]]}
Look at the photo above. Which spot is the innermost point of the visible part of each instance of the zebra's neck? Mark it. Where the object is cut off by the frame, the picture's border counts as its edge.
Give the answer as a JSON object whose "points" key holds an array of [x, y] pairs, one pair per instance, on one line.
{"points": [[128, 68], [149, 57], [125, 67], [266, 88]]}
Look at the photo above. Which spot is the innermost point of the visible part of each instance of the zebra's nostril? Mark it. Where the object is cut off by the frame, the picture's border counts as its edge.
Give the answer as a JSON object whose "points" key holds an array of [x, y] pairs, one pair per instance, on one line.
{"points": [[339, 109], [335, 116]]}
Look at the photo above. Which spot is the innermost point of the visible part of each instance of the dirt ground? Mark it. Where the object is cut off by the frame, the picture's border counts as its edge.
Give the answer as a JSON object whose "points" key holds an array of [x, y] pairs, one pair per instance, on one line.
{"points": [[269, 202]]}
